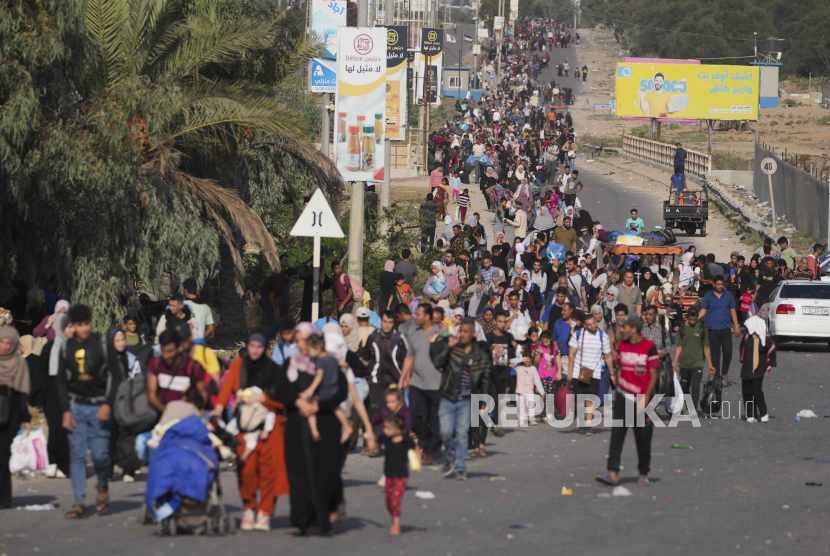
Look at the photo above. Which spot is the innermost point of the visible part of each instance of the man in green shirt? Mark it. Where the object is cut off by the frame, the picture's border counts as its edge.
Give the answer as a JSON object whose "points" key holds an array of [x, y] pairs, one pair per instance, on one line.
{"points": [[565, 235], [787, 252], [692, 349]]}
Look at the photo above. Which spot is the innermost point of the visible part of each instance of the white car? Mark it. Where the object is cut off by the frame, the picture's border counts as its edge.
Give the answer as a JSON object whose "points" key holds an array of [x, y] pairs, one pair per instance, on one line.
{"points": [[798, 311]]}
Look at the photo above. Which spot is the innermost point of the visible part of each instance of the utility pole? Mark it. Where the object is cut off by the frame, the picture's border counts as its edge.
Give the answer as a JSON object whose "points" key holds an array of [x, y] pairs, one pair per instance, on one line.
{"points": [[475, 50], [389, 9], [325, 139], [357, 204]]}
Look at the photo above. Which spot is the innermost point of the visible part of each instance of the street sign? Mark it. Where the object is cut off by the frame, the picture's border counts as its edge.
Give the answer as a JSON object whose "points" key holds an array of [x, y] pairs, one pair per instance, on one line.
{"points": [[498, 23], [602, 107], [317, 220], [510, 32], [492, 76], [769, 166]]}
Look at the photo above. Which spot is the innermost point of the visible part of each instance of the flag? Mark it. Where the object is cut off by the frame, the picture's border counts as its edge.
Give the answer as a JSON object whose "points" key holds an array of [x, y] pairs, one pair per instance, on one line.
{"points": [[451, 39], [466, 38]]}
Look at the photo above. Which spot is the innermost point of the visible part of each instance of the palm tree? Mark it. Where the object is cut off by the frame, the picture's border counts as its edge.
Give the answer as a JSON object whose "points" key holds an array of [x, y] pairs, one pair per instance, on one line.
{"points": [[193, 54]]}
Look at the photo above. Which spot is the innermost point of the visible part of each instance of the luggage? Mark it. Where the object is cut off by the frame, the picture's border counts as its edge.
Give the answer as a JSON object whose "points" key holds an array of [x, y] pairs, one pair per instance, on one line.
{"points": [[132, 408], [669, 235], [562, 400], [712, 396]]}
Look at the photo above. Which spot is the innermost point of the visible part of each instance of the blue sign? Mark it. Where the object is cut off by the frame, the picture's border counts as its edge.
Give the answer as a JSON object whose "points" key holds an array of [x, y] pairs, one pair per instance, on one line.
{"points": [[510, 32], [492, 76], [323, 76]]}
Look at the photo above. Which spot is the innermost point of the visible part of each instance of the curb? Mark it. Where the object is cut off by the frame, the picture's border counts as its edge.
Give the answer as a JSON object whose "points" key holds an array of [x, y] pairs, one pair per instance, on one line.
{"points": [[752, 222]]}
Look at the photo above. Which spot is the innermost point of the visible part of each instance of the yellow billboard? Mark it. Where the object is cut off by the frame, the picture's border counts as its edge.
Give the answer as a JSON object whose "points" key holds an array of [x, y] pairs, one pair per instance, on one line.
{"points": [[688, 91]]}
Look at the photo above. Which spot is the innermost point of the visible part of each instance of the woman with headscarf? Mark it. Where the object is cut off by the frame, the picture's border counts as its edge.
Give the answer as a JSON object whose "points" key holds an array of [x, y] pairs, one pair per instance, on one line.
{"points": [[523, 196], [599, 316], [435, 178], [313, 467], [446, 234], [519, 220], [47, 325], [544, 222], [435, 288], [686, 271], [57, 445], [648, 280], [758, 355], [440, 198], [14, 385], [264, 471], [609, 304], [489, 183], [386, 281], [122, 445]]}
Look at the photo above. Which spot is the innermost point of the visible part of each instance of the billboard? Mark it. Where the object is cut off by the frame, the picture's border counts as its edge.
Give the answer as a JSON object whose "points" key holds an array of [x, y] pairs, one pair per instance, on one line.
{"points": [[326, 17], [687, 91], [432, 45], [360, 106], [396, 57]]}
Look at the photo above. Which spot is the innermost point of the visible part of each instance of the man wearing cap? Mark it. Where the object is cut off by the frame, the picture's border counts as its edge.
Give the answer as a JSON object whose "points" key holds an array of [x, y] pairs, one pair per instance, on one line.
{"points": [[691, 352], [636, 378]]}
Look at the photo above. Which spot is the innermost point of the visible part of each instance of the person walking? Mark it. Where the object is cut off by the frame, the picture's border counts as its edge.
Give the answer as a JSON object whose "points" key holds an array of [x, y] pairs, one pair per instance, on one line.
{"points": [[589, 346], [689, 355], [636, 379], [757, 357], [465, 369], [718, 307], [14, 379]]}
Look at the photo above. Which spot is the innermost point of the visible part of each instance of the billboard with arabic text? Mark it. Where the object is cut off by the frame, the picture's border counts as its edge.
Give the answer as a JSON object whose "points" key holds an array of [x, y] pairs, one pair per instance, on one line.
{"points": [[688, 91]]}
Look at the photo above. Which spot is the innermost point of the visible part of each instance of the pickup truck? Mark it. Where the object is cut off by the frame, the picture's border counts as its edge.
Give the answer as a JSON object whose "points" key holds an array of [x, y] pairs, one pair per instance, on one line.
{"points": [[687, 210]]}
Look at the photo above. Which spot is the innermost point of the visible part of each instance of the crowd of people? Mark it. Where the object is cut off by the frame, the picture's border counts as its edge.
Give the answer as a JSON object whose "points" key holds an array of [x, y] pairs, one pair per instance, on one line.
{"points": [[536, 307]]}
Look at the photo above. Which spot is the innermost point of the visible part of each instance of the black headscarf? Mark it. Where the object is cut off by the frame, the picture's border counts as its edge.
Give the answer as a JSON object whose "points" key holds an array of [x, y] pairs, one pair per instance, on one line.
{"points": [[116, 359], [259, 372]]}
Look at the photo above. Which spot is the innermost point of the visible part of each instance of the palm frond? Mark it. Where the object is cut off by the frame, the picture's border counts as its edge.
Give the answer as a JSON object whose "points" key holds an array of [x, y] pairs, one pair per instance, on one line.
{"points": [[105, 28], [208, 43], [302, 50], [140, 33]]}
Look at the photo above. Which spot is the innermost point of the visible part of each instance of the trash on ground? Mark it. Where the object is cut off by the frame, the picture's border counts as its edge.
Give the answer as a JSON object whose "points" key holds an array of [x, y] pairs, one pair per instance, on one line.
{"points": [[498, 478], [424, 495], [678, 471], [603, 495], [37, 508], [806, 413], [620, 491], [522, 526], [566, 491], [812, 484], [822, 460], [681, 446]]}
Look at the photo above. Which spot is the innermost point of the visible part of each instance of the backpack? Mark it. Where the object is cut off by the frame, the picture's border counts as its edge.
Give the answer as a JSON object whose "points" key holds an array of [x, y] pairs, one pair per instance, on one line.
{"points": [[132, 409]]}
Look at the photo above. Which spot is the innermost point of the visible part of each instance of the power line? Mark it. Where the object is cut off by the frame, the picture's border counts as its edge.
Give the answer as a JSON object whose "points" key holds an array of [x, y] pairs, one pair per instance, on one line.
{"points": [[650, 27]]}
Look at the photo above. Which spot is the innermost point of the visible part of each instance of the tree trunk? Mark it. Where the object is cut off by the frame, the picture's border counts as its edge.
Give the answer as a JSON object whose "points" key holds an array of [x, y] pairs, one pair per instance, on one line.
{"points": [[232, 326]]}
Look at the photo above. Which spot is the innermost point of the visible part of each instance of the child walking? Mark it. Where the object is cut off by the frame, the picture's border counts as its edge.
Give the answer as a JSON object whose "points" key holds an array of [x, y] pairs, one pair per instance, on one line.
{"points": [[395, 466], [455, 185], [527, 377], [323, 386], [463, 203]]}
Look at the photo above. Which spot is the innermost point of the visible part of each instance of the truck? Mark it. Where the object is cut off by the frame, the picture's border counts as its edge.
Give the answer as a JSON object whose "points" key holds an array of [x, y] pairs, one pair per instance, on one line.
{"points": [[687, 210]]}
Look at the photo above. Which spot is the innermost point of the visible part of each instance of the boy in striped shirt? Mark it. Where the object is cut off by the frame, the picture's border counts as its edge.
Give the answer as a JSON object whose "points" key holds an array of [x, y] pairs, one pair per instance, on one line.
{"points": [[463, 203]]}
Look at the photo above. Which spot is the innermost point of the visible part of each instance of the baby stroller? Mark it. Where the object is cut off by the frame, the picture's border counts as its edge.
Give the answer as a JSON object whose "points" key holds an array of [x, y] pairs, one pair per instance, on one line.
{"points": [[184, 492]]}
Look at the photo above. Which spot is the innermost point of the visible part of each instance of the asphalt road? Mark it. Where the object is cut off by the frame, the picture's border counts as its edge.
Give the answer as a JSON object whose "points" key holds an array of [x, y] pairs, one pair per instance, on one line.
{"points": [[740, 489]]}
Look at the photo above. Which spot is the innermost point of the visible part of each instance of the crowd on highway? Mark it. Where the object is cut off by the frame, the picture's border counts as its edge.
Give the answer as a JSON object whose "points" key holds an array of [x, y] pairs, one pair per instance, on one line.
{"points": [[534, 304]]}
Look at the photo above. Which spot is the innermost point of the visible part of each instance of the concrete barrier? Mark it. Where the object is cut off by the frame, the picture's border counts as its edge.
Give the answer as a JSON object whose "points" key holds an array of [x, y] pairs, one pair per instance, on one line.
{"points": [[733, 177]]}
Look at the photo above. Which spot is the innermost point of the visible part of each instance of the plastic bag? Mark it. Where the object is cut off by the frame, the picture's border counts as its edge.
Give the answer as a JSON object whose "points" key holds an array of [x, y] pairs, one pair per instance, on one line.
{"points": [[674, 404], [484, 159], [519, 328], [753, 310], [665, 385], [471, 161], [29, 452], [556, 251], [414, 460]]}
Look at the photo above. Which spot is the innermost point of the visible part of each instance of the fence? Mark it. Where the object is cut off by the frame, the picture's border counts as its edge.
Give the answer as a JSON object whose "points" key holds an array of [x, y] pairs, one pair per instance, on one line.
{"points": [[799, 197], [662, 154]]}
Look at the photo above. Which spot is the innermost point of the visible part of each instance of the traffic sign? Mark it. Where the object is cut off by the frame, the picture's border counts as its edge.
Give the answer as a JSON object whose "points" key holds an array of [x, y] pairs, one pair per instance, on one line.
{"points": [[510, 32], [769, 166], [317, 220], [492, 76]]}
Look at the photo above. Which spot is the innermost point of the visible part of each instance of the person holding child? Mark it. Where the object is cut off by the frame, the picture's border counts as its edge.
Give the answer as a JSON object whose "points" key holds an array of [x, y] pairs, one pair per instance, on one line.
{"points": [[263, 470]]}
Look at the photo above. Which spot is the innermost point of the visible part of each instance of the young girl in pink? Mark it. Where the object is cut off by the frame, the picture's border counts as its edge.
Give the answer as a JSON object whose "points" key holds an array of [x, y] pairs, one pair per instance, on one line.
{"points": [[548, 361]]}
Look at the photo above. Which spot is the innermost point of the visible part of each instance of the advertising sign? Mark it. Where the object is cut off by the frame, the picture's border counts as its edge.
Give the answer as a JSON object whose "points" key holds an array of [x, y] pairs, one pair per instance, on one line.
{"points": [[432, 44], [360, 107], [396, 55], [683, 91], [498, 22], [514, 9], [326, 17]]}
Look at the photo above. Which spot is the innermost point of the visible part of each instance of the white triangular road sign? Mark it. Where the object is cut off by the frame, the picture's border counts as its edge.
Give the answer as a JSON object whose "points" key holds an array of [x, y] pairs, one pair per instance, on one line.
{"points": [[317, 219]]}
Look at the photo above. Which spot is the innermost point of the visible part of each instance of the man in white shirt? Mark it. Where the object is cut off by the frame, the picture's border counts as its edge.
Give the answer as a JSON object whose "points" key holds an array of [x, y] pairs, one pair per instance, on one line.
{"points": [[588, 347], [203, 325], [538, 277]]}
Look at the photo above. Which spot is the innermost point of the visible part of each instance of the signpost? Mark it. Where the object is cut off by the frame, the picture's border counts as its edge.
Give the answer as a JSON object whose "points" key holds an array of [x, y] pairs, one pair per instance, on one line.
{"points": [[317, 220], [769, 166]]}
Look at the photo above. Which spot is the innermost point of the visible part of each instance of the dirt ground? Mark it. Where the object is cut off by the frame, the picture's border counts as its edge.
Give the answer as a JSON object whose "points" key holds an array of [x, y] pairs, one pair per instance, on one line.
{"points": [[803, 129]]}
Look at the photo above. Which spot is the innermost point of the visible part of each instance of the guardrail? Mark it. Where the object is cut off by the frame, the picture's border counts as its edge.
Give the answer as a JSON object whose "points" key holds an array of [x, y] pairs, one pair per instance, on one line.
{"points": [[698, 165]]}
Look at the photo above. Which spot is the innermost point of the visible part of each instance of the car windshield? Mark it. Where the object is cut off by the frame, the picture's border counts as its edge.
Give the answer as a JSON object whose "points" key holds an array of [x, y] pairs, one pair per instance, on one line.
{"points": [[806, 291]]}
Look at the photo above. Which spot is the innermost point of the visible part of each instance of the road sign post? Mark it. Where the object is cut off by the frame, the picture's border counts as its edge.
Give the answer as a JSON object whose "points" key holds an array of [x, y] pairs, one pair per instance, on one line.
{"points": [[769, 166], [317, 221]]}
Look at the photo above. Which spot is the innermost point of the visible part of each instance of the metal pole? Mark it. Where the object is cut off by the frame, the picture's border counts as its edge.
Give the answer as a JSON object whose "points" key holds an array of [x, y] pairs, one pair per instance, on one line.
{"points": [[828, 212], [315, 296], [362, 13], [710, 136], [356, 231], [324, 132], [772, 205]]}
